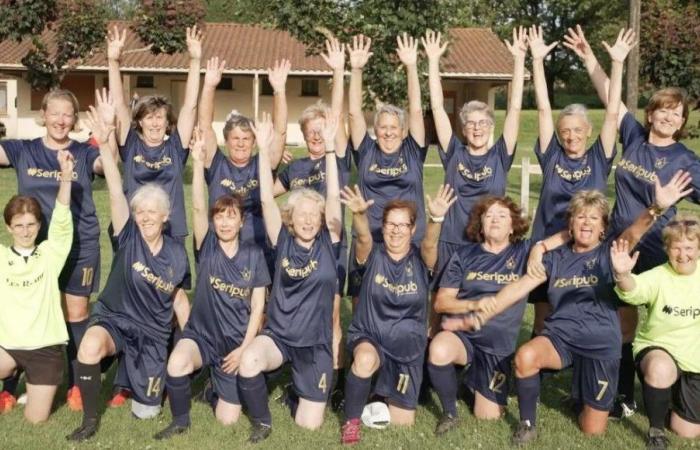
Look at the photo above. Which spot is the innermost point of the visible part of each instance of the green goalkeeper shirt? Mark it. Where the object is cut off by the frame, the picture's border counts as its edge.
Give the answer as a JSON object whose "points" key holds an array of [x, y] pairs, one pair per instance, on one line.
{"points": [[673, 313], [30, 302]]}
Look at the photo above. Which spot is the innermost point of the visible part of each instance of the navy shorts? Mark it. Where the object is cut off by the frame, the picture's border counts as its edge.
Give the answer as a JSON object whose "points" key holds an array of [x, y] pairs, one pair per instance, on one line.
{"points": [[399, 383], [539, 294], [445, 252], [487, 374], [224, 385], [143, 358], [686, 390], [594, 381], [312, 368], [81, 273]]}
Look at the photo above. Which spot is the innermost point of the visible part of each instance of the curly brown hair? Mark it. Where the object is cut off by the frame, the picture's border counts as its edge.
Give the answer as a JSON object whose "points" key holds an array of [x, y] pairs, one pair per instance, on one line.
{"points": [[520, 222]]}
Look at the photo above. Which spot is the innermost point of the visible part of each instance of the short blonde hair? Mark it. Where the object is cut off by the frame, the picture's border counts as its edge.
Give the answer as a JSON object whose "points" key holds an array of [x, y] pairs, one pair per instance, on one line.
{"points": [[151, 192], [318, 110], [294, 199], [683, 225], [475, 106], [392, 110], [589, 199], [61, 94]]}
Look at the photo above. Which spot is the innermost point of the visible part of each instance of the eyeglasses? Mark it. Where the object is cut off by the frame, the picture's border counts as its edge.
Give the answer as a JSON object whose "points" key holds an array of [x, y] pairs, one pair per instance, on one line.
{"points": [[30, 226], [401, 227], [683, 223], [483, 123]]}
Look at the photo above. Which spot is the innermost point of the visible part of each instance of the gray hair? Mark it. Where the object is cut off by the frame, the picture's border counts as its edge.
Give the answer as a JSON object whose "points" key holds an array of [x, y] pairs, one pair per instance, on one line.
{"points": [[574, 109], [235, 119], [294, 199], [151, 192], [387, 108], [475, 106]]}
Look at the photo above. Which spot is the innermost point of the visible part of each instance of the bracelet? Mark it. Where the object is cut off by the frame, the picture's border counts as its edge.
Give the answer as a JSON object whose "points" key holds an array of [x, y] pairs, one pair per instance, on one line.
{"points": [[437, 219], [328, 152], [544, 246], [655, 211], [618, 277]]}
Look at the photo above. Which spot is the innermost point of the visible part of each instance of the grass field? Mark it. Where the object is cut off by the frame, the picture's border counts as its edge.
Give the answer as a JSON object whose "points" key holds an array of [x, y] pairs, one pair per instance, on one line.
{"points": [[557, 429]]}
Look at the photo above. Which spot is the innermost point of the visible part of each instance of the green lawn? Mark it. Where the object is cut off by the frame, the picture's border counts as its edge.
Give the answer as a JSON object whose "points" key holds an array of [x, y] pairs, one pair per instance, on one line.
{"points": [[557, 429]]}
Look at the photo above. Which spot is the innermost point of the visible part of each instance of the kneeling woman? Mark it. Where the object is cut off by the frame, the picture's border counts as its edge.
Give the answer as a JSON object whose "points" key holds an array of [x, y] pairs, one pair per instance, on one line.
{"points": [[499, 252], [388, 332], [667, 365], [583, 329], [32, 330], [306, 237], [228, 305], [134, 312]]}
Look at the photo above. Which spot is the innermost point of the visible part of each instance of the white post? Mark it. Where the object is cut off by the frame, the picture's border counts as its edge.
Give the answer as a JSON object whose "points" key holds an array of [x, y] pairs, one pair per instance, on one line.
{"points": [[256, 95]]}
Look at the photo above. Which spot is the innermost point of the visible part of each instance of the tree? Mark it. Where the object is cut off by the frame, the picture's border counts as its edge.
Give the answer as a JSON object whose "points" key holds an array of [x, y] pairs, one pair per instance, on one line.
{"points": [[162, 23]]}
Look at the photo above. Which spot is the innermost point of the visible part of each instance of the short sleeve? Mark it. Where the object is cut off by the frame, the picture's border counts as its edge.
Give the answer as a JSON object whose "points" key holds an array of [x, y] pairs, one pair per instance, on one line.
{"points": [[548, 262], [452, 276], [452, 148], [501, 150], [208, 246], [630, 131], [209, 172], [344, 163], [13, 149], [694, 169], [127, 150], [550, 152], [283, 176], [261, 273], [127, 233], [366, 146], [419, 151], [178, 148], [599, 152]]}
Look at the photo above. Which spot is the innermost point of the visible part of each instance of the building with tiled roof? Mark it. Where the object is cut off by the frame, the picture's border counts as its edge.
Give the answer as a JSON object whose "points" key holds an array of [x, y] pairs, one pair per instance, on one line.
{"points": [[476, 63]]}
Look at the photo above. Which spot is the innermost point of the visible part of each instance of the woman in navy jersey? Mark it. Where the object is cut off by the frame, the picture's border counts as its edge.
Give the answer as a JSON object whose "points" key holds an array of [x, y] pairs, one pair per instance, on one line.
{"points": [[235, 170], [568, 165], [133, 315], [476, 167], [228, 304], [389, 167], [583, 329], [305, 235], [388, 333], [310, 172], [496, 255], [650, 150], [152, 140], [38, 175]]}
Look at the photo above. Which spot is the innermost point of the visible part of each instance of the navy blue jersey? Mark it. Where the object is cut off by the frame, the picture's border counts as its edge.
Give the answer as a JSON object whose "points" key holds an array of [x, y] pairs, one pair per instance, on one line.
{"points": [[38, 175], [162, 165], [300, 309], [397, 176], [477, 272], [640, 165], [471, 176], [584, 305], [562, 177], [393, 304], [222, 297], [140, 285], [224, 177]]}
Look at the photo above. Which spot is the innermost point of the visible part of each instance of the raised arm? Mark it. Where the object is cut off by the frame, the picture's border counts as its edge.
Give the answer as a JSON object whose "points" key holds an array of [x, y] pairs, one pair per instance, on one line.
{"points": [[359, 55], [407, 51], [575, 40], [212, 78], [539, 50], [118, 203], [623, 263], [353, 200], [437, 209], [278, 80], [512, 122], [664, 197], [434, 51], [335, 58], [188, 111], [115, 45], [200, 216], [271, 212], [333, 213], [618, 53], [107, 112]]}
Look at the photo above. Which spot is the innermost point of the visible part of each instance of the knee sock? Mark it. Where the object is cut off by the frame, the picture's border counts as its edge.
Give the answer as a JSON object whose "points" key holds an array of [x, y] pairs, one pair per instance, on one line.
{"points": [[625, 381], [179, 394], [10, 383], [444, 381], [89, 383], [528, 390], [356, 393], [76, 331], [254, 396], [656, 402]]}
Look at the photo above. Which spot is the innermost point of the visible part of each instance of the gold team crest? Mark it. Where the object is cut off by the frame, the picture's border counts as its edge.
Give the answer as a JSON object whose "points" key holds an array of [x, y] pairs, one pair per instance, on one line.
{"points": [[285, 263], [660, 163], [510, 264], [379, 278], [246, 274], [590, 264]]}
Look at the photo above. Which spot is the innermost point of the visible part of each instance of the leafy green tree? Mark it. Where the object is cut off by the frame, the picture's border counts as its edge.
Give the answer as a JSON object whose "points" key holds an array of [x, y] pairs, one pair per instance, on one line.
{"points": [[162, 23]]}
